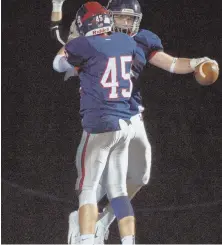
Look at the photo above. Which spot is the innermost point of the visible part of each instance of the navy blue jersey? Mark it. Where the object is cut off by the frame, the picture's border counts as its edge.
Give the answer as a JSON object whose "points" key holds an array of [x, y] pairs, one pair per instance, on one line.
{"points": [[105, 63], [147, 44]]}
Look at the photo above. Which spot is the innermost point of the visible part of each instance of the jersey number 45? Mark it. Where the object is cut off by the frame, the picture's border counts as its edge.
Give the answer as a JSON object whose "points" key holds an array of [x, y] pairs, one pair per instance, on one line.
{"points": [[109, 78]]}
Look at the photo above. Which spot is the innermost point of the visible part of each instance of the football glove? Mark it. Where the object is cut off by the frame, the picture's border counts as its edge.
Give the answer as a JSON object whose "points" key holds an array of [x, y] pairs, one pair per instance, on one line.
{"points": [[57, 5], [195, 62]]}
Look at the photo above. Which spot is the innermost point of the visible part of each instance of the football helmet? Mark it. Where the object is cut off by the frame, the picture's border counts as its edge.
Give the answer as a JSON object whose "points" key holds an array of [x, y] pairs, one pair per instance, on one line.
{"points": [[126, 15], [93, 19]]}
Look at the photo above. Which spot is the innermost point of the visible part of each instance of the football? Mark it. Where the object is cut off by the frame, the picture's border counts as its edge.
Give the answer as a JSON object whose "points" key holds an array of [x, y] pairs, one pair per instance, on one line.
{"points": [[206, 73]]}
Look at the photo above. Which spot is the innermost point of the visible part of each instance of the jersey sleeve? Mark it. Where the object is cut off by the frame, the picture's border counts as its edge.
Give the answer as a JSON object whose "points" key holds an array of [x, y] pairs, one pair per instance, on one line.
{"points": [[148, 42], [77, 51]]}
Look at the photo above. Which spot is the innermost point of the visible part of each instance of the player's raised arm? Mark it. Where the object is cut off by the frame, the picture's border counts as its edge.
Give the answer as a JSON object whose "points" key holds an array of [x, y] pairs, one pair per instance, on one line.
{"points": [[56, 18], [56, 27], [59, 34]]}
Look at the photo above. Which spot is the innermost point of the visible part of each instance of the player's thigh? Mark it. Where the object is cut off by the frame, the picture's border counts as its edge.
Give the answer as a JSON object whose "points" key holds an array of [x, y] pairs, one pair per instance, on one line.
{"points": [[116, 170], [139, 154], [91, 158]]}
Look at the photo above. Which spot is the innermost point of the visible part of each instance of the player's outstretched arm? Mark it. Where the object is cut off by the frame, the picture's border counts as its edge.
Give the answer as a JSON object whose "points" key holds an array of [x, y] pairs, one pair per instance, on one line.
{"points": [[58, 34], [176, 65]]}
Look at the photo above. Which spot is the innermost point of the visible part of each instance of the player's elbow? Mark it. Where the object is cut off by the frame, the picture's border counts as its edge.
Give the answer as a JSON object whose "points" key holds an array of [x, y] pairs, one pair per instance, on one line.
{"points": [[56, 64], [60, 64]]}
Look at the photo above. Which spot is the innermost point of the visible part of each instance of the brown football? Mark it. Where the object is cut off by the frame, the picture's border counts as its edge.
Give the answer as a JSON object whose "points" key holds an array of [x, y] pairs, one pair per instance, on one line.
{"points": [[206, 73]]}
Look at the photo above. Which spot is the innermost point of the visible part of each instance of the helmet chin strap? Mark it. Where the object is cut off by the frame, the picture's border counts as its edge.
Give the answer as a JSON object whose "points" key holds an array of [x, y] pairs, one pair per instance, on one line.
{"points": [[122, 29], [129, 31]]}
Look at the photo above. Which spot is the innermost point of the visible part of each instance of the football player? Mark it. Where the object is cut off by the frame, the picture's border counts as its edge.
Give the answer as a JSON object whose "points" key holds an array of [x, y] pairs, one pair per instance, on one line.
{"points": [[127, 17], [104, 61]]}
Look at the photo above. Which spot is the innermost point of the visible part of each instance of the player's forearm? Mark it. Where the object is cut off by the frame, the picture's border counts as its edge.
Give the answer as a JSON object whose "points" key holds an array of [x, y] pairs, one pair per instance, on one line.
{"points": [[56, 19], [56, 16], [176, 65], [60, 63], [182, 66], [57, 33], [170, 63]]}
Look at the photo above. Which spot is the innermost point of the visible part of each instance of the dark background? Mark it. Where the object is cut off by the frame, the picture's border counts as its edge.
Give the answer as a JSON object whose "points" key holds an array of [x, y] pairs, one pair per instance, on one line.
{"points": [[41, 128]]}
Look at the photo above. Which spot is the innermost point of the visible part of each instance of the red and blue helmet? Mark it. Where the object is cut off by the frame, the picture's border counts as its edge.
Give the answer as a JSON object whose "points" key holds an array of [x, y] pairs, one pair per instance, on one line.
{"points": [[93, 19]]}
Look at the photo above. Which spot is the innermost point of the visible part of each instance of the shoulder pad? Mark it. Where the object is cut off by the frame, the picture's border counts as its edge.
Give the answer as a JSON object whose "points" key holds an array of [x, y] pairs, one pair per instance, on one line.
{"points": [[149, 40]]}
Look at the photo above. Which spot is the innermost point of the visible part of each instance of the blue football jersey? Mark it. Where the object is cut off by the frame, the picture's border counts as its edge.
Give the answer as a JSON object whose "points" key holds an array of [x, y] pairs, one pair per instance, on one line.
{"points": [[105, 64], [147, 43]]}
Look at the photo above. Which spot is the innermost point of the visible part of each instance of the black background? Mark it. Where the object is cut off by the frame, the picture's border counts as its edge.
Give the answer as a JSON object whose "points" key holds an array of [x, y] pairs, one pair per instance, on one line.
{"points": [[41, 128]]}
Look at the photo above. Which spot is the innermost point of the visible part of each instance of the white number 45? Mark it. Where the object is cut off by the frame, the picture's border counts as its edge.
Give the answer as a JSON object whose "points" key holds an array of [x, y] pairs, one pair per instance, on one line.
{"points": [[99, 18], [109, 79]]}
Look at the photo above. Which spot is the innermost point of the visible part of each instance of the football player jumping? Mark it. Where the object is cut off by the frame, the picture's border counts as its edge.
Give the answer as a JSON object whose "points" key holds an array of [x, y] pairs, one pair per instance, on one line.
{"points": [[104, 59], [127, 17]]}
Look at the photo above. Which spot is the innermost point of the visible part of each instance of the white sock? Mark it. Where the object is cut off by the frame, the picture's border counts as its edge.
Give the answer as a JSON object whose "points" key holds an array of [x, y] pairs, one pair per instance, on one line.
{"points": [[107, 217], [87, 239], [128, 240]]}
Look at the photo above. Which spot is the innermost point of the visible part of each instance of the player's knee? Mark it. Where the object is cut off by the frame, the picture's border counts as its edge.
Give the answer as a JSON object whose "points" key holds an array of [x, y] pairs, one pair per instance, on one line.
{"points": [[114, 191], [122, 207], [87, 197]]}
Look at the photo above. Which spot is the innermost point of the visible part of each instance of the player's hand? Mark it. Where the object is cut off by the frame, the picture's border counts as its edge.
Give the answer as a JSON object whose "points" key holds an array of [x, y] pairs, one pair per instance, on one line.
{"points": [[58, 1], [195, 62], [73, 31], [57, 8]]}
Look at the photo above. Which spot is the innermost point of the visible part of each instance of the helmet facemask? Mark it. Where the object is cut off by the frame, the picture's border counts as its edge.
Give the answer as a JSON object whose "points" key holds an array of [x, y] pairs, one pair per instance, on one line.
{"points": [[126, 22]]}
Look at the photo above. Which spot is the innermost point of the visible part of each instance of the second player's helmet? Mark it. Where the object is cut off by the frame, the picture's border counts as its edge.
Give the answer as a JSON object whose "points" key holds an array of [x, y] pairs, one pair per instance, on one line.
{"points": [[93, 19], [120, 9]]}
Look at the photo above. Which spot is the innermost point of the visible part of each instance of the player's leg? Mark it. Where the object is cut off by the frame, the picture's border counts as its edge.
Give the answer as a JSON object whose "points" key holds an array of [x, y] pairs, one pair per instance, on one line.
{"points": [[107, 217], [101, 230], [74, 231], [138, 172], [117, 191], [139, 157], [91, 159], [138, 175]]}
